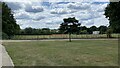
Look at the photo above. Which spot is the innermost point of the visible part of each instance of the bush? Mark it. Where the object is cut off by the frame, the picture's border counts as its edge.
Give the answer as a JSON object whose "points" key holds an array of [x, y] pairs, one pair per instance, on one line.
{"points": [[83, 32]]}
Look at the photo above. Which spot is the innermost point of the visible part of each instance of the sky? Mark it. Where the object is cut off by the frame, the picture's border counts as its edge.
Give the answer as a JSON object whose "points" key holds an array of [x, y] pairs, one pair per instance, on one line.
{"points": [[50, 14]]}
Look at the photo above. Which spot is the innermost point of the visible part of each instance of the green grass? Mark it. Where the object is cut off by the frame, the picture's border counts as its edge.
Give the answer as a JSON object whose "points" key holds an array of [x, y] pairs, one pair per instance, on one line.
{"points": [[61, 36], [64, 53]]}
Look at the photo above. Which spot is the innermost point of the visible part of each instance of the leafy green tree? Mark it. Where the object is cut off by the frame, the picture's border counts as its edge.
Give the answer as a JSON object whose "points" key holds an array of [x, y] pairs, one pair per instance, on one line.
{"points": [[92, 28], [112, 12], [0, 20], [83, 28], [70, 25], [9, 25], [28, 31], [54, 31], [84, 32], [102, 29], [33, 31], [46, 31]]}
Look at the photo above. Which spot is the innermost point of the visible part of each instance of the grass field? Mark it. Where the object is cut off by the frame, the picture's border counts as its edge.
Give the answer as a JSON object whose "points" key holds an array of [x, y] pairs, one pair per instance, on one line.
{"points": [[61, 36], [64, 53]]}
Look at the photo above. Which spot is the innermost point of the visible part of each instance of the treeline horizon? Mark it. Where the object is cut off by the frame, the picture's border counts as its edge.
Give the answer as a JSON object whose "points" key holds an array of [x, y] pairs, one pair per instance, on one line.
{"points": [[48, 31]]}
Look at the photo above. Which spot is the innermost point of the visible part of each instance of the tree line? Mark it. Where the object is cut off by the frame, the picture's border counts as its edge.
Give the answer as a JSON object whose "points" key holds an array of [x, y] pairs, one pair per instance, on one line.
{"points": [[48, 31], [34, 31], [9, 26]]}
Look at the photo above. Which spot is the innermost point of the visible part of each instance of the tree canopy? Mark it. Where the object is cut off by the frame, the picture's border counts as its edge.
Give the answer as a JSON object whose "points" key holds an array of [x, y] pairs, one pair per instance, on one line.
{"points": [[102, 29], [9, 25], [34, 31], [112, 12], [69, 25]]}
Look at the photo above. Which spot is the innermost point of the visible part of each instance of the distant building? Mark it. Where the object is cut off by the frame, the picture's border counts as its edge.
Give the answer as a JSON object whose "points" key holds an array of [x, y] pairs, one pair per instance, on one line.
{"points": [[96, 32]]}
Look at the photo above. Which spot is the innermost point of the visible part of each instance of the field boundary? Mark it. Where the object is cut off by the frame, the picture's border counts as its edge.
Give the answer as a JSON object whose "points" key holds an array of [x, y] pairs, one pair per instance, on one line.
{"points": [[63, 36]]}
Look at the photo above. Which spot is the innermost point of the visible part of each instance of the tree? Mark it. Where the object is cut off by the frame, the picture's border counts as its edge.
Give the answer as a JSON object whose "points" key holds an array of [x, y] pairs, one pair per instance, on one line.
{"points": [[83, 30], [9, 25], [92, 28], [46, 31], [112, 12], [102, 29], [28, 31], [70, 25], [34, 31], [1, 21]]}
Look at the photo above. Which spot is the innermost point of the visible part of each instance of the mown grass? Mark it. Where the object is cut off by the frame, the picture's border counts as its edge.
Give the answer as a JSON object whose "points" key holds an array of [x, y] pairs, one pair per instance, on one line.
{"points": [[61, 36], [64, 53]]}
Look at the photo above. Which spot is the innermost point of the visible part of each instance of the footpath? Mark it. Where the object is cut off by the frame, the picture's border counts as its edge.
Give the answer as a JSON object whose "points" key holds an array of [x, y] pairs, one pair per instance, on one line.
{"points": [[5, 59]]}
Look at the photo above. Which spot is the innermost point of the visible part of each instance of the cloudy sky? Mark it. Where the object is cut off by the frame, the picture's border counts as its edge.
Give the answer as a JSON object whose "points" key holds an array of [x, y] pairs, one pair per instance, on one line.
{"points": [[47, 14]]}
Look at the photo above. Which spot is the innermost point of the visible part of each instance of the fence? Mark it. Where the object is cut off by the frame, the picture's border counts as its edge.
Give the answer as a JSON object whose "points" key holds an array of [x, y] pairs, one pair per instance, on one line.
{"points": [[61, 36]]}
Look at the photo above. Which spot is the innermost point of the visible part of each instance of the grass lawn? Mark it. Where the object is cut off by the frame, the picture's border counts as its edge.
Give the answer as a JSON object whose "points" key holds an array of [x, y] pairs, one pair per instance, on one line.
{"points": [[64, 53]]}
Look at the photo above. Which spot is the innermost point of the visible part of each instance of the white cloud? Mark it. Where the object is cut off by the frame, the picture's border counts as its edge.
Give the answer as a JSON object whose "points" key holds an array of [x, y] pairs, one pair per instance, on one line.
{"points": [[59, 11], [89, 23], [38, 18], [22, 15], [14, 6], [99, 7], [60, 0], [62, 11], [79, 6], [51, 14], [22, 0], [101, 21], [33, 9], [101, 0]]}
